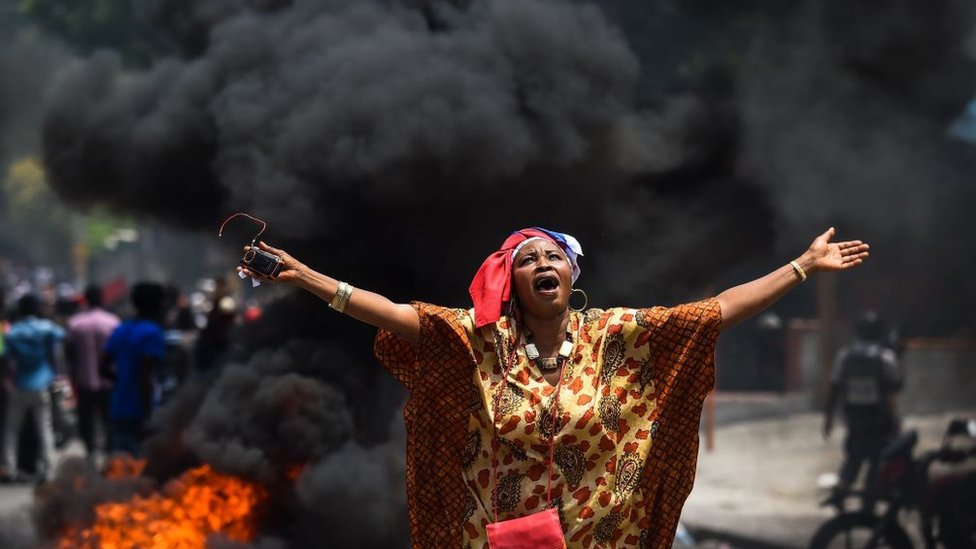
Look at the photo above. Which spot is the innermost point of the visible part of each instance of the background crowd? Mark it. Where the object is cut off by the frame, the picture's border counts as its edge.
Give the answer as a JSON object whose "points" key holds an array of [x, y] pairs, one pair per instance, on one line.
{"points": [[94, 362]]}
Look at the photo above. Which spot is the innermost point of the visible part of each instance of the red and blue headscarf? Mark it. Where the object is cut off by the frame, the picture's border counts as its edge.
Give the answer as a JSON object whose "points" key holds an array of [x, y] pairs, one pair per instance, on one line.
{"points": [[491, 288]]}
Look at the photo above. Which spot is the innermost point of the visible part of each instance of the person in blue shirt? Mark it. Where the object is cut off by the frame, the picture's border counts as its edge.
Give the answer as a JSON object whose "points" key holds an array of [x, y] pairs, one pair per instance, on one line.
{"points": [[132, 353], [31, 356]]}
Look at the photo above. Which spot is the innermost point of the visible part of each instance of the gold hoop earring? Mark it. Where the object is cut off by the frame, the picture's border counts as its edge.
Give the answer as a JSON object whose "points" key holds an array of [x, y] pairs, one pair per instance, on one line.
{"points": [[586, 300]]}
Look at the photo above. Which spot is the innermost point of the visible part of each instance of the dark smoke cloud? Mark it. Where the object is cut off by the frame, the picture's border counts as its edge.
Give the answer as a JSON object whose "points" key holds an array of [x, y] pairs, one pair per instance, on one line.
{"points": [[290, 400], [357, 486], [338, 120], [167, 453], [29, 63], [187, 24], [290, 112], [847, 109], [280, 404], [252, 423], [294, 363], [160, 160]]}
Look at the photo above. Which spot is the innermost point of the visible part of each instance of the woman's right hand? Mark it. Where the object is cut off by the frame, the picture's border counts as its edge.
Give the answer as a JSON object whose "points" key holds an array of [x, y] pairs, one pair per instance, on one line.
{"points": [[291, 271]]}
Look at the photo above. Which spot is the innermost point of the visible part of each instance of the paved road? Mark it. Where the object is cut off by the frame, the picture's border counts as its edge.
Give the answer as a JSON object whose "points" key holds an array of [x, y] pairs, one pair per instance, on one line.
{"points": [[16, 527], [15, 499], [760, 482]]}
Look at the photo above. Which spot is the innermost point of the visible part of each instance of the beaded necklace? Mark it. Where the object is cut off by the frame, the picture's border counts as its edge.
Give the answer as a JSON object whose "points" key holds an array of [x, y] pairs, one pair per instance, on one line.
{"points": [[549, 364]]}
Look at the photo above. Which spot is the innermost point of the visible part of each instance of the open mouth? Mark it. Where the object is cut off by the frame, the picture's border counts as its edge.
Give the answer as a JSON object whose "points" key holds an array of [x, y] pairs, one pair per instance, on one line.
{"points": [[546, 284]]}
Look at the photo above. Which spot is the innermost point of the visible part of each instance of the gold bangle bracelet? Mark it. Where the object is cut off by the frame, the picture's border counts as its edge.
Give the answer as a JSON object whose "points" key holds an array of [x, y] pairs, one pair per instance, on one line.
{"points": [[341, 297], [345, 298], [799, 271]]}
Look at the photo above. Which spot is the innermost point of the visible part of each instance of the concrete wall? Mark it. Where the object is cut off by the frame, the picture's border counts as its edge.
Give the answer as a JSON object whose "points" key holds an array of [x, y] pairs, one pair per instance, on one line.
{"points": [[940, 374], [803, 360]]}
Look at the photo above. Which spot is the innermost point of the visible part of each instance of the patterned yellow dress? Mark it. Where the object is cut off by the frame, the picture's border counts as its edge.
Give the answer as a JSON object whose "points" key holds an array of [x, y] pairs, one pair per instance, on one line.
{"points": [[626, 435]]}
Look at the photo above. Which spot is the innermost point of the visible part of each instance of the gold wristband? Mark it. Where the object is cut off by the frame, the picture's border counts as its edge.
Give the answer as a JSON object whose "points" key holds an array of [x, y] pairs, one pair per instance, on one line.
{"points": [[799, 271], [341, 297]]}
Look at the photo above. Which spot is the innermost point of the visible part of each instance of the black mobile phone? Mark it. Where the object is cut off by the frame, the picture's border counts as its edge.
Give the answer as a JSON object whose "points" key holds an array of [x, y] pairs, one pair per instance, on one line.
{"points": [[260, 261], [256, 259]]}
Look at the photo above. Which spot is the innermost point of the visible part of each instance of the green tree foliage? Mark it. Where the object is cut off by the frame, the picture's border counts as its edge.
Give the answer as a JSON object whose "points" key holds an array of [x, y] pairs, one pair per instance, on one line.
{"points": [[41, 229], [38, 224], [91, 25]]}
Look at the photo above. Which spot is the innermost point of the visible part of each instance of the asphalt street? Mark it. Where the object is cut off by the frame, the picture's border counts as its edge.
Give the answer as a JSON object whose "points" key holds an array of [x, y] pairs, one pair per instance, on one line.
{"points": [[759, 488]]}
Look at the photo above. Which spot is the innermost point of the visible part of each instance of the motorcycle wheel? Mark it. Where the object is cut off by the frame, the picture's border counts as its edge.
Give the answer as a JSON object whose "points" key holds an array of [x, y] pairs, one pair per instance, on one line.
{"points": [[853, 530]]}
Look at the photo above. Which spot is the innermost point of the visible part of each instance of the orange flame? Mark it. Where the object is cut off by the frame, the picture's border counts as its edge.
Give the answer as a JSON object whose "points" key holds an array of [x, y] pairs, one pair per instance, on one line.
{"points": [[199, 503], [124, 466]]}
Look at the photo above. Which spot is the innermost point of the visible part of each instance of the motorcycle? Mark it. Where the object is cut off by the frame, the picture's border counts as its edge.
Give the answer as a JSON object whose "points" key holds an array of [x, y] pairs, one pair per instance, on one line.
{"points": [[945, 504]]}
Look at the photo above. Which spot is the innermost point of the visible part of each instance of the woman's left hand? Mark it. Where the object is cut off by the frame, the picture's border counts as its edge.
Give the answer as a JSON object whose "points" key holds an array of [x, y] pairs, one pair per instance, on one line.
{"points": [[824, 255], [746, 300]]}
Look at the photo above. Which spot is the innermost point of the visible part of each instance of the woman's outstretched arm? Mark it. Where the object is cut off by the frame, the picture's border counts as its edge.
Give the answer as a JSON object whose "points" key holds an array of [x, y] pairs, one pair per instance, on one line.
{"points": [[363, 305], [746, 300]]}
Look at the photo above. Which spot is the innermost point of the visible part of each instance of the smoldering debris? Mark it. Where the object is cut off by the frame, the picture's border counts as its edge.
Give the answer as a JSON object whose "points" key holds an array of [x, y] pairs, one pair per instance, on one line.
{"points": [[356, 486], [71, 497], [251, 425]]}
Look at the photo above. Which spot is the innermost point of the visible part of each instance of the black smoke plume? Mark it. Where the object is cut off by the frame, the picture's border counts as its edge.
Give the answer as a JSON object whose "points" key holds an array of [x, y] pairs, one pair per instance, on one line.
{"points": [[28, 65], [847, 109]]}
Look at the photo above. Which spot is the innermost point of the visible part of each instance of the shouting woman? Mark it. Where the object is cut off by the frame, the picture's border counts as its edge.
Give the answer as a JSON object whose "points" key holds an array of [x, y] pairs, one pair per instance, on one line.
{"points": [[534, 424]]}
